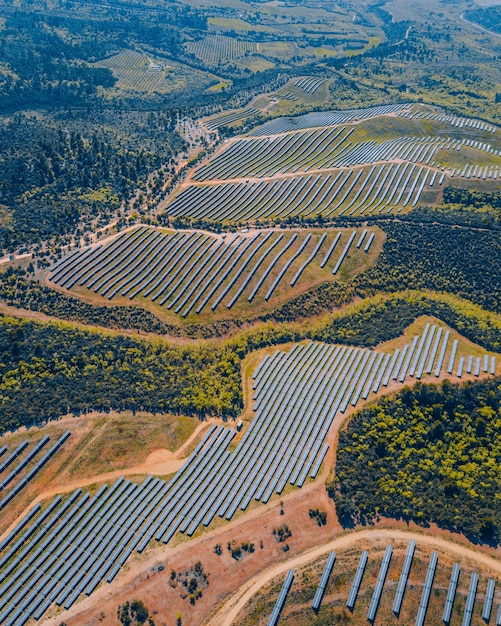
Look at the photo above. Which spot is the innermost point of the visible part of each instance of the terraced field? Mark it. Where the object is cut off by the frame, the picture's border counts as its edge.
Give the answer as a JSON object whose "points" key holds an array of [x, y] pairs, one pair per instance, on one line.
{"points": [[191, 273], [387, 159]]}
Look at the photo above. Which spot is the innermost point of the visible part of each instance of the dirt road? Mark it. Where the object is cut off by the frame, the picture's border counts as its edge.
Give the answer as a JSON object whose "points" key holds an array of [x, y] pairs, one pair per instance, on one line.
{"points": [[158, 463], [232, 607]]}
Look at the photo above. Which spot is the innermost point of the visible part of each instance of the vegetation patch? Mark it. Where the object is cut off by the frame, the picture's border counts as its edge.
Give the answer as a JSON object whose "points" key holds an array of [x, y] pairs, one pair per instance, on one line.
{"points": [[190, 582], [428, 454], [49, 370], [463, 261], [134, 613]]}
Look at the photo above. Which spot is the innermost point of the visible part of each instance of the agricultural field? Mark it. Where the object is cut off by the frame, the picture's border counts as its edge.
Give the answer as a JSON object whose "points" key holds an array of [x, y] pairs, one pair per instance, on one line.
{"points": [[196, 275], [382, 160], [401, 583]]}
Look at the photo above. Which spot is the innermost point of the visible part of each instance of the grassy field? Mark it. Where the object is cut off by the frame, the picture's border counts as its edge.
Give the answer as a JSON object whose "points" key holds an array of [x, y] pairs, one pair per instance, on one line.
{"points": [[99, 443], [118, 441]]}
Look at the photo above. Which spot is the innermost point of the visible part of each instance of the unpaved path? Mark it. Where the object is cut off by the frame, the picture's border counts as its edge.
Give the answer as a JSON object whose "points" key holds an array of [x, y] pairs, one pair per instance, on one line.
{"points": [[230, 609], [159, 463]]}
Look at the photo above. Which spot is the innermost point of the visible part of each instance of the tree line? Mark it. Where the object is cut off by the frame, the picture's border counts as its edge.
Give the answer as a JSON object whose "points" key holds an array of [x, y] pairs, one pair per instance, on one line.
{"points": [[50, 370]]}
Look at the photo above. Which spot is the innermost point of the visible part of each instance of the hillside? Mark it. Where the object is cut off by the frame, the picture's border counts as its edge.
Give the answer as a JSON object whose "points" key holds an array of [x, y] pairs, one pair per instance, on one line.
{"points": [[250, 312]]}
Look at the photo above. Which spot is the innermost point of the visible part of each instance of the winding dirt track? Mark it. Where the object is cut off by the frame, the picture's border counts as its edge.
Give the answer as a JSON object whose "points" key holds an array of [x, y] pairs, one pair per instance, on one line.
{"points": [[229, 611], [158, 463]]}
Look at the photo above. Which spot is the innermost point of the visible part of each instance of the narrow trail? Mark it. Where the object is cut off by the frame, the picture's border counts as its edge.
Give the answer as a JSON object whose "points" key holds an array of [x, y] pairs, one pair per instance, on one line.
{"points": [[232, 607], [478, 26]]}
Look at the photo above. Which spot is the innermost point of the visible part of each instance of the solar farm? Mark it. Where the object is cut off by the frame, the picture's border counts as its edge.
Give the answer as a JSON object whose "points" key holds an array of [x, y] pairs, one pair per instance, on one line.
{"points": [[214, 49], [192, 273], [19, 466], [367, 162], [66, 549], [359, 163], [417, 581]]}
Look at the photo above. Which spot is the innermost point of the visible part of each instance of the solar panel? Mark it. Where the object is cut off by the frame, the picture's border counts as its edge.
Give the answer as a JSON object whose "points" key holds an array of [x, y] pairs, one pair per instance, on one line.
{"points": [[24, 522], [489, 598], [378, 590], [324, 580], [425, 596], [364, 557], [470, 600], [282, 597], [402, 583]]}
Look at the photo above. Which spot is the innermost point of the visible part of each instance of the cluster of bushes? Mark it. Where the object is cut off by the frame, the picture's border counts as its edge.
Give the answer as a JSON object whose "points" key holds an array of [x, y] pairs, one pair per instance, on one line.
{"points": [[462, 261], [428, 454]]}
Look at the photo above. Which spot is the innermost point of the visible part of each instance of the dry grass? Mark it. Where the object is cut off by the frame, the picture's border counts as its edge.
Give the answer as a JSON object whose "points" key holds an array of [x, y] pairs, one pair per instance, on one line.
{"points": [[298, 611], [99, 443]]}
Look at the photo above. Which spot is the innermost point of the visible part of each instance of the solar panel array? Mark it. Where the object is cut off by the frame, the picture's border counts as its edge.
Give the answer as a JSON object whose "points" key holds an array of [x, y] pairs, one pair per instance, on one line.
{"points": [[322, 586], [326, 118], [380, 582], [187, 272], [215, 122], [458, 122], [362, 190], [69, 548], [314, 150], [309, 84], [312, 165], [18, 475], [282, 597], [400, 590], [337, 377]]}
